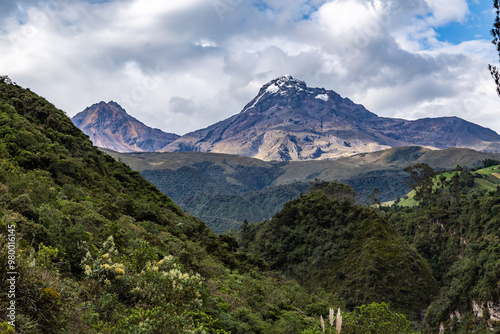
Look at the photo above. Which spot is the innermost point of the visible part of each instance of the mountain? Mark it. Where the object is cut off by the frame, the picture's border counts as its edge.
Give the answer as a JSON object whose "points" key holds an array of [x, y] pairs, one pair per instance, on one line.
{"points": [[288, 120], [109, 126]]}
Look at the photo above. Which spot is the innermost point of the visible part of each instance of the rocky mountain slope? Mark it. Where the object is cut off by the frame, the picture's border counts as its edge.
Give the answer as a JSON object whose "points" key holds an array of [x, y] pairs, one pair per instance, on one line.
{"points": [[109, 126], [289, 121]]}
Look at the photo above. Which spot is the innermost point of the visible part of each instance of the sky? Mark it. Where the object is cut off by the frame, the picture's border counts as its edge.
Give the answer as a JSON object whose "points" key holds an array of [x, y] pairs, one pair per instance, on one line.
{"points": [[183, 65]]}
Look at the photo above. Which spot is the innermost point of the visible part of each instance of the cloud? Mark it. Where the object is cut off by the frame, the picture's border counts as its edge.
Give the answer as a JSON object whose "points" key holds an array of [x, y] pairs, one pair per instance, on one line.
{"points": [[444, 11], [184, 65]]}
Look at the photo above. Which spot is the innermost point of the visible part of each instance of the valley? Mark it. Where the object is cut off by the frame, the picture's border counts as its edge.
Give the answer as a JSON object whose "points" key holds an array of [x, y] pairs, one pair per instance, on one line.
{"points": [[225, 190]]}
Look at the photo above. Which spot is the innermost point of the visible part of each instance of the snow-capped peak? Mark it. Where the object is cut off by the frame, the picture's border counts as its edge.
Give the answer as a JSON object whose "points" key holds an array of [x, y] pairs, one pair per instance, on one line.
{"points": [[288, 81], [281, 86]]}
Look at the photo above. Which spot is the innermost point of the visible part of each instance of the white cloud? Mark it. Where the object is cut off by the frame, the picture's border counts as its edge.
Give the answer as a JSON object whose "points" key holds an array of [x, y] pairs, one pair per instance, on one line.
{"points": [[444, 11], [184, 65]]}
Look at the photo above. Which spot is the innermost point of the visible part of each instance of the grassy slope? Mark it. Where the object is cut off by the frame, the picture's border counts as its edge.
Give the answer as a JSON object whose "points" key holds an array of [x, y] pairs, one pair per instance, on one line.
{"points": [[486, 179]]}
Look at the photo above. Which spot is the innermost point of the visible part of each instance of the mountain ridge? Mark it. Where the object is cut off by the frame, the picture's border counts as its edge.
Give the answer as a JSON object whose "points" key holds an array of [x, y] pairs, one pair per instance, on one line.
{"points": [[109, 126], [289, 121]]}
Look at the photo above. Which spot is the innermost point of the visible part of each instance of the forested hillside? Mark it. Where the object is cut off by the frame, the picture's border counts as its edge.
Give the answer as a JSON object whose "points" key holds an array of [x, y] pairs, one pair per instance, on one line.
{"points": [[456, 228], [445, 275], [97, 249], [325, 240]]}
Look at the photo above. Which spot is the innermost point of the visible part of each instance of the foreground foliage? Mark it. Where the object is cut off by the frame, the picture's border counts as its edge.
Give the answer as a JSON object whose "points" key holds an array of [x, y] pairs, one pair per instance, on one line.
{"points": [[101, 250]]}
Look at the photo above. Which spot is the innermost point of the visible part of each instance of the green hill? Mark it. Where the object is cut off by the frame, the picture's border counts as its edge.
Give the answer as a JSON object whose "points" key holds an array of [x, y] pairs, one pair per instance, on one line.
{"points": [[326, 241]]}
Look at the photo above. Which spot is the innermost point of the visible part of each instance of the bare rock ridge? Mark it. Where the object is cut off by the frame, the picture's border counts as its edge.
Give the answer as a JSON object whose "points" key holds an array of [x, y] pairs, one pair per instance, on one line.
{"points": [[286, 121], [109, 126], [289, 121]]}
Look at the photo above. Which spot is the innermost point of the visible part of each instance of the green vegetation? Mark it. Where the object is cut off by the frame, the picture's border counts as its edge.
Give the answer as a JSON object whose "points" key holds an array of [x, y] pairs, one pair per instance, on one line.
{"points": [[456, 230], [325, 240], [447, 270], [101, 250], [495, 72], [477, 181], [375, 318], [225, 199]]}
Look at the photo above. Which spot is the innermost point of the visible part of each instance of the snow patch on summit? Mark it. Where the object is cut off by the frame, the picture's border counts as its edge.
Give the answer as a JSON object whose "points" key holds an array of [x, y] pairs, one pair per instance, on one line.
{"points": [[323, 97], [272, 89]]}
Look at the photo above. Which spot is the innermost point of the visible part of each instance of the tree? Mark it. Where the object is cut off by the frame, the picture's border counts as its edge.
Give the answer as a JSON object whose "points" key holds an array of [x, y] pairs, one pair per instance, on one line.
{"points": [[375, 318], [421, 179], [495, 73], [373, 197], [334, 190], [489, 163], [5, 79]]}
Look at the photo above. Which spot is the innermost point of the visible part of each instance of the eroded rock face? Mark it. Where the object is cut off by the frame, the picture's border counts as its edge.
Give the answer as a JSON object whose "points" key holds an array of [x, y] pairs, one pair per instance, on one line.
{"points": [[492, 307], [477, 309], [494, 310], [109, 126], [288, 120]]}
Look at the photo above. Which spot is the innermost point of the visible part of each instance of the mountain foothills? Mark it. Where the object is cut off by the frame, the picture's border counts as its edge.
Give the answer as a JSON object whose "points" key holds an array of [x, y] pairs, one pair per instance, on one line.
{"points": [[225, 190], [109, 126], [454, 228], [288, 120]]}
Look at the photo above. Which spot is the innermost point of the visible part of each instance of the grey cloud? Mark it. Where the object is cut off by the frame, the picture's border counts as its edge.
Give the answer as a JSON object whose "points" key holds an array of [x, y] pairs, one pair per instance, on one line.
{"points": [[179, 105]]}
